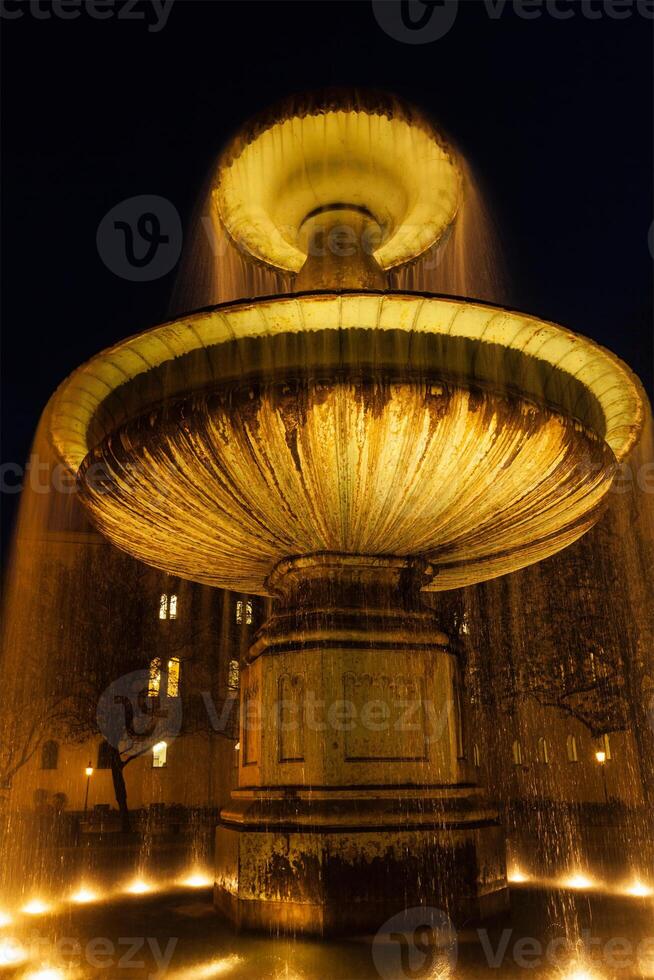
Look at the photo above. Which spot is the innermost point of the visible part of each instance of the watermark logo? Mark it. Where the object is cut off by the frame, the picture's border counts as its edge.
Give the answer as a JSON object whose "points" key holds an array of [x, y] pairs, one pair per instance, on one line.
{"points": [[417, 943], [129, 718], [140, 239], [426, 21], [416, 21], [154, 13]]}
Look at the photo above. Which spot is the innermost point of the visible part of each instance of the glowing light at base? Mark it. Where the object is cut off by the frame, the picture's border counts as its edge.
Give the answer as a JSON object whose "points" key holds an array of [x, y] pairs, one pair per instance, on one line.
{"points": [[197, 879], [11, 953], [212, 968], [36, 907], [639, 890], [517, 877], [139, 887], [5, 919], [581, 973], [84, 895], [578, 881], [46, 973]]}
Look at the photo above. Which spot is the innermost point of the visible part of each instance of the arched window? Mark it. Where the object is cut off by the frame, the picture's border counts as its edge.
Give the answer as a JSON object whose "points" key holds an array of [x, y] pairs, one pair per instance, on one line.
{"points": [[104, 756], [159, 753], [154, 682], [244, 611], [543, 751], [233, 676], [167, 605], [476, 757], [49, 755], [174, 671], [516, 751], [164, 682], [571, 746]]}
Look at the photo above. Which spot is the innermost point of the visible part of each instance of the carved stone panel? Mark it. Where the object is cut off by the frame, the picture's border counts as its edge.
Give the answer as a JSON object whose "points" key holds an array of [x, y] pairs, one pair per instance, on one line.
{"points": [[290, 717], [251, 723], [383, 717]]}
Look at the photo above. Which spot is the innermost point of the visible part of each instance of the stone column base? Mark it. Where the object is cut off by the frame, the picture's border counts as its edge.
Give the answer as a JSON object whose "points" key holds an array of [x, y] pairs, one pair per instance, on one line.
{"points": [[316, 865]]}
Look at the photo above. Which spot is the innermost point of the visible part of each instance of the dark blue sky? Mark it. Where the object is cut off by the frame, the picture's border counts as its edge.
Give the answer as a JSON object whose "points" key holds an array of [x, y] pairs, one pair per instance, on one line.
{"points": [[556, 115]]}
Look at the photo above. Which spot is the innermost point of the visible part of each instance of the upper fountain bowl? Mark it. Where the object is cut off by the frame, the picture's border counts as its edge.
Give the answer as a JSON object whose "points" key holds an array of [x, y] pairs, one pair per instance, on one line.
{"points": [[356, 151]]}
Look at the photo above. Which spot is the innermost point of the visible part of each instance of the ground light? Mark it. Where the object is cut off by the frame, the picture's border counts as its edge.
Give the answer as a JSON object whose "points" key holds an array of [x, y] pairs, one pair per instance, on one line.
{"points": [[45, 973], [197, 879], [139, 887], [517, 877], [579, 881], [581, 973], [36, 906], [639, 890], [84, 895], [11, 953], [212, 968]]}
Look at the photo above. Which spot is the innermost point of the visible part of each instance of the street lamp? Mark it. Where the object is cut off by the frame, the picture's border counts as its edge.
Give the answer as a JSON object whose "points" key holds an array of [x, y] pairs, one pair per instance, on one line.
{"points": [[89, 773], [601, 759]]}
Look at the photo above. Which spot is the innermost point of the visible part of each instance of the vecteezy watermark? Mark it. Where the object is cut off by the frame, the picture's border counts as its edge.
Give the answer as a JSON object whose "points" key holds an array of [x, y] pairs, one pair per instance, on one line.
{"points": [[140, 239], [42, 476], [419, 942], [426, 21], [416, 21], [154, 13], [128, 953], [564, 953], [130, 718]]}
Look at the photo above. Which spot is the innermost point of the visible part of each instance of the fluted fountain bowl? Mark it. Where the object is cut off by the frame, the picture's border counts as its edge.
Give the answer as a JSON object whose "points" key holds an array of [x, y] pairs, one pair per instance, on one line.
{"points": [[374, 424]]}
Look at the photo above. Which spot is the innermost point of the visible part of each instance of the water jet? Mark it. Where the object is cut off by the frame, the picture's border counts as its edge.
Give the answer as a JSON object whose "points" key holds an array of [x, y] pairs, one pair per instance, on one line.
{"points": [[343, 449]]}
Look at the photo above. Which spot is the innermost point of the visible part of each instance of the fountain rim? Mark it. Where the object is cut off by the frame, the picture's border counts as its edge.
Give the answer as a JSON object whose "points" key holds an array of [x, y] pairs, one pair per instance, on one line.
{"points": [[73, 404]]}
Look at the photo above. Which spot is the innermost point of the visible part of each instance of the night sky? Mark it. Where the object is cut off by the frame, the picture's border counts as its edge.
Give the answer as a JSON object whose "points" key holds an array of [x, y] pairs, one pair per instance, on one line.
{"points": [[555, 114]]}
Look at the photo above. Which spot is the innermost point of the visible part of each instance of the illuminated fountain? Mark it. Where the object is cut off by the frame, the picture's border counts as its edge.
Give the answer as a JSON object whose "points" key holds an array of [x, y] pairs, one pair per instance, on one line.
{"points": [[342, 449]]}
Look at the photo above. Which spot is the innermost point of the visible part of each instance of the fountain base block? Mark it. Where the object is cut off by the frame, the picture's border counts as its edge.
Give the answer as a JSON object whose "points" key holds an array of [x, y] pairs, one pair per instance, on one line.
{"points": [[355, 799], [319, 866]]}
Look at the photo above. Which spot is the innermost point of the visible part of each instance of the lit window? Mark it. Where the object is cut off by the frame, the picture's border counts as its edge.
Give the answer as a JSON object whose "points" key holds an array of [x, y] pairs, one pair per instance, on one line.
{"points": [[465, 625], [244, 609], [543, 751], [154, 682], [159, 755], [173, 677], [49, 755], [571, 746], [167, 606], [233, 674], [605, 746], [476, 757], [516, 751]]}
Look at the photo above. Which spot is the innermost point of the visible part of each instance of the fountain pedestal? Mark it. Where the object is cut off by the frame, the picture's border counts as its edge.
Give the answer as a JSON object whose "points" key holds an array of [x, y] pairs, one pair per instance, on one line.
{"points": [[354, 802]]}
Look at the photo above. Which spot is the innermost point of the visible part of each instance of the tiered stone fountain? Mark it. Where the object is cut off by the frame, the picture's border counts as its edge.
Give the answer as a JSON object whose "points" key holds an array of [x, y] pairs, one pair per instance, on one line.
{"points": [[342, 449]]}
